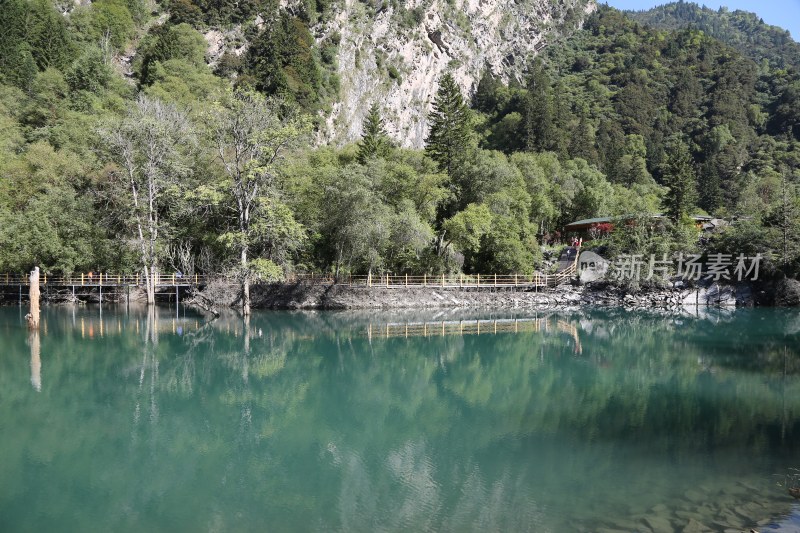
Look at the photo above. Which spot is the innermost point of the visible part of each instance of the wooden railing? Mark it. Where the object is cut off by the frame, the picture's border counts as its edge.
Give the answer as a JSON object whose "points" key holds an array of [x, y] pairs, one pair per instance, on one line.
{"points": [[387, 281], [102, 279], [443, 280], [474, 327]]}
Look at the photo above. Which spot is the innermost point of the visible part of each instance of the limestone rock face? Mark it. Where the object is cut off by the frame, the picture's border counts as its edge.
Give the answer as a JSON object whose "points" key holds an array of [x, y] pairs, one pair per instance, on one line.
{"points": [[396, 54]]}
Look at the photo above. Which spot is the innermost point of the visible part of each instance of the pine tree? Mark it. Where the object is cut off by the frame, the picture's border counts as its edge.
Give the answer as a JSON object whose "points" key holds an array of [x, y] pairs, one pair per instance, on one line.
{"points": [[50, 41], [582, 140], [680, 177], [784, 218], [450, 131], [17, 65], [539, 131], [710, 191], [374, 141]]}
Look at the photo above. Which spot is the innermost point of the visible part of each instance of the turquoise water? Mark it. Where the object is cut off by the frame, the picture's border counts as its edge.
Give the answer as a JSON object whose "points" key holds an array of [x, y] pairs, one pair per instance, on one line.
{"points": [[116, 420]]}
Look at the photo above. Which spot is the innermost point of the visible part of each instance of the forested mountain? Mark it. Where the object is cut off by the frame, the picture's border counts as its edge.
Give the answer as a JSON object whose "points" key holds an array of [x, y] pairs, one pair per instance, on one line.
{"points": [[618, 94], [195, 135], [742, 30]]}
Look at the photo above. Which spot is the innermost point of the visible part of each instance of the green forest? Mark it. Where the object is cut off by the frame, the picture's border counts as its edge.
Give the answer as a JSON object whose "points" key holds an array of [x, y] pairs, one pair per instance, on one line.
{"points": [[118, 161]]}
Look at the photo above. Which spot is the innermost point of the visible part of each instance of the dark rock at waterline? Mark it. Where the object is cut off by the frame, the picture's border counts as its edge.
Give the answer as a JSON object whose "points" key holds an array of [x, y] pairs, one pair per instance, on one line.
{"points": [[601, 293], [787, 293]]}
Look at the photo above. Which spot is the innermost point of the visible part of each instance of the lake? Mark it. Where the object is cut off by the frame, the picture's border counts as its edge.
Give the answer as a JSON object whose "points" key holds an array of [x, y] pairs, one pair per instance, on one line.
{"points": [[120, 419]]}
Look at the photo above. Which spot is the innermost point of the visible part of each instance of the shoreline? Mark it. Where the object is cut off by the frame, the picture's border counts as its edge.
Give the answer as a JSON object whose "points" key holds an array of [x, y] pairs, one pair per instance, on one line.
{"points": [[304, 295], [333, 296]]}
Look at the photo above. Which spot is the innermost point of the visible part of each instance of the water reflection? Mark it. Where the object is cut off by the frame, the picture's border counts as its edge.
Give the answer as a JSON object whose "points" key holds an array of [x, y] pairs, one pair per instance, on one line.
{"points": [[36, 359], [405, 421]]}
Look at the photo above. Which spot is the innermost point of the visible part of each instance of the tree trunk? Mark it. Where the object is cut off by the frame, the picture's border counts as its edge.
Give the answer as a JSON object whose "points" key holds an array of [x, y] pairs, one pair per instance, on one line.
{"points": [[245, 284], [33, 316], [150, 284], [338, 263]]}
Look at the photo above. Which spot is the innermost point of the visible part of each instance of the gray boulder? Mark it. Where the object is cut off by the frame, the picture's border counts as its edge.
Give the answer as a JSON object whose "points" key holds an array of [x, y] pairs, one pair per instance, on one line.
{"points": [[787, 293]]}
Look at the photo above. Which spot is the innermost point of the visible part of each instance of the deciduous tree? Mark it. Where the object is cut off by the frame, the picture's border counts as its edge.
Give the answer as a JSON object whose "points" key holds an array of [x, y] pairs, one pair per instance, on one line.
{"points": [[251, 136], [149, 146]]}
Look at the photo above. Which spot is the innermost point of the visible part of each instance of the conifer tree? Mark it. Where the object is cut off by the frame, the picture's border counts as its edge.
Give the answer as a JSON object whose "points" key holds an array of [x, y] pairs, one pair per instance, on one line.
{"points": [[679, 176], [784, 218], [710, 191], [50, 42], [449, 122], [539, 131], [582, 140], [374, 141], [17, 65]]}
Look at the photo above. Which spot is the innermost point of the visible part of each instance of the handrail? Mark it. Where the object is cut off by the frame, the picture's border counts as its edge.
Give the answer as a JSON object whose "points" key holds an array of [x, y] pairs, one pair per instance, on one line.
{"points": [[103, 279], [443, 280]]}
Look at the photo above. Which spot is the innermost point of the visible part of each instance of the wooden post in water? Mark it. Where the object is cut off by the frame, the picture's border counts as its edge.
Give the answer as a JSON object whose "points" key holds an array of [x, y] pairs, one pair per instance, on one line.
{"points": [[33, 316]]}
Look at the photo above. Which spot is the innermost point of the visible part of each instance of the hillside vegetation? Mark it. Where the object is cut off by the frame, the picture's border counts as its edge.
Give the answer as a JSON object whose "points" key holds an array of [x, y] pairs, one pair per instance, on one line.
{"points": [[744, 31], [122, 148]]}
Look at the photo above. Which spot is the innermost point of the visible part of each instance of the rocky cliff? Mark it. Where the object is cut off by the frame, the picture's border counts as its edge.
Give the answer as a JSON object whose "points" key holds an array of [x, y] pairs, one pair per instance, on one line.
{"points": [[395, 54]]}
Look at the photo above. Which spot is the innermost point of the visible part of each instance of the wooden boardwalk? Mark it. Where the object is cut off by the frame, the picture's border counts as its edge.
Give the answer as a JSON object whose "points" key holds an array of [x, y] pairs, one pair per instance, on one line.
{"points": [[103, 280], [460, 281], [567, 271]]}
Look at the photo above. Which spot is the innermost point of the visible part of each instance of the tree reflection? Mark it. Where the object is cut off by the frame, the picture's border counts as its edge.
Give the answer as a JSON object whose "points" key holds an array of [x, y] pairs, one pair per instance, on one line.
{"points": [[304, 421]]}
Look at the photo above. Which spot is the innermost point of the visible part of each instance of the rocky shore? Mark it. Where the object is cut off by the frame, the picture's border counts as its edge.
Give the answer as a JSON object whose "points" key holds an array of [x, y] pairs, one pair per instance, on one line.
{"points": [[341, 296]]}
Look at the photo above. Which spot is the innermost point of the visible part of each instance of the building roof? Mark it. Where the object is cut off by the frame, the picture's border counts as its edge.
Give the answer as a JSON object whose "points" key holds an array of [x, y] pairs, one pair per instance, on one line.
{"points": [[587, 222]]}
